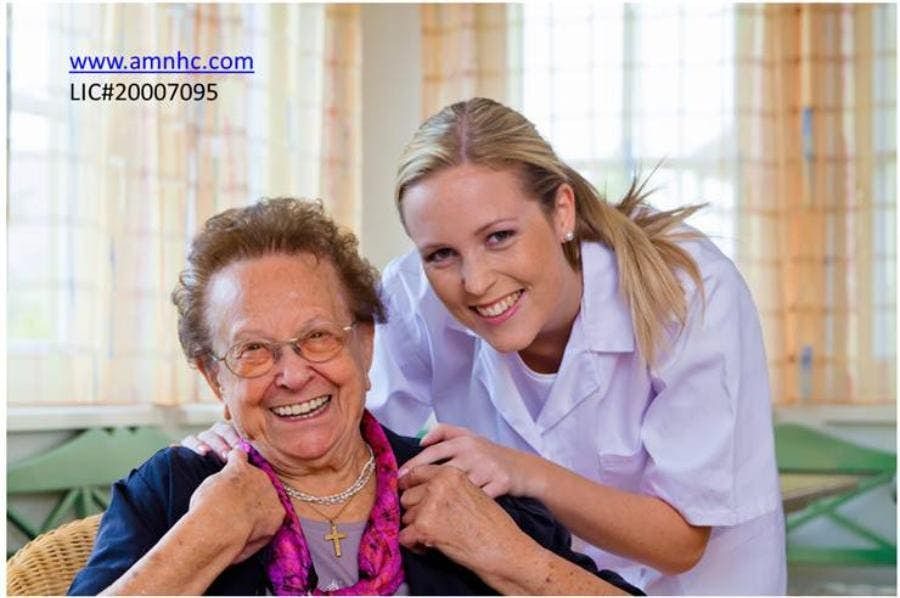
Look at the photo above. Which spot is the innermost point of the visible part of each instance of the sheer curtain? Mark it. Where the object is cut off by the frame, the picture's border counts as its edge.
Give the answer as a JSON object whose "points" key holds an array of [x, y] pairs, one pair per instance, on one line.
{"points": [[465, 52], [817, 136], [781, 117], [341, 114], [104, 197]]}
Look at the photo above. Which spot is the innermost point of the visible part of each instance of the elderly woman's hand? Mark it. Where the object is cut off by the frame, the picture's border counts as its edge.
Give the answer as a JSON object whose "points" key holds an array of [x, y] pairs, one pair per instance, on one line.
{"points": [[444, 510], [243, 501], [232, 514], [220, 438]]}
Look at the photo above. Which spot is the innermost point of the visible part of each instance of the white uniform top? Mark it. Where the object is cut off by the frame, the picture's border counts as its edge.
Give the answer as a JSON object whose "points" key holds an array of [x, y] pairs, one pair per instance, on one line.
{"points": [[695, 430]]}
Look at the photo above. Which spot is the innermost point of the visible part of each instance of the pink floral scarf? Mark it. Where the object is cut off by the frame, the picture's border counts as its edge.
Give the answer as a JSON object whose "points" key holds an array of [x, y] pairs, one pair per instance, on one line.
{"points": [[380, 570]]}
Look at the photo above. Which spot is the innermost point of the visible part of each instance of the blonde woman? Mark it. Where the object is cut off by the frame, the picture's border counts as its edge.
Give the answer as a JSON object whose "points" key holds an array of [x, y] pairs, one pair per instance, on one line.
{"points": [[605, 360]]}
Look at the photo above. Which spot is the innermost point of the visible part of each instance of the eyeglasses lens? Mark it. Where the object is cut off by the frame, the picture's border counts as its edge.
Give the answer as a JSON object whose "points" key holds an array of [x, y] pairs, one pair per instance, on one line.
{"points": [[254, 359]]}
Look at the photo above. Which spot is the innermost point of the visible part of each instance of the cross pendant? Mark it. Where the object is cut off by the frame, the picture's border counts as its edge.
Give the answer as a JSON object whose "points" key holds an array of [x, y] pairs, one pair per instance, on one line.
{"points": [[335, 538]]}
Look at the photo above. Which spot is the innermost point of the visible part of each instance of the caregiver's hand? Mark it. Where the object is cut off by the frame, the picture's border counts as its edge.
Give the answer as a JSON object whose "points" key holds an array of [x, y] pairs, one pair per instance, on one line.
{"points": [[220, 438], [494, 468]]}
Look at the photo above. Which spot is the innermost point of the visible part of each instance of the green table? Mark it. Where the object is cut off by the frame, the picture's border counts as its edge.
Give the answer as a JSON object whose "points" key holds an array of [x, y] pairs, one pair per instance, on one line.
{"points": [[820, 473], [799, 490]]}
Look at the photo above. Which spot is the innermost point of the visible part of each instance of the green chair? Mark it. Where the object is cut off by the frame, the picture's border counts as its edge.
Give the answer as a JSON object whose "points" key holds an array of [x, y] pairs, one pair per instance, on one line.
{"points": [[81, 472], [803, 450]]}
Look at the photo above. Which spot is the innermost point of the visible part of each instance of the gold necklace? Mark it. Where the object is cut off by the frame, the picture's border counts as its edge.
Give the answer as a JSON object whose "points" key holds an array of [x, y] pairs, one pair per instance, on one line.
{"points": [[335, 535]]}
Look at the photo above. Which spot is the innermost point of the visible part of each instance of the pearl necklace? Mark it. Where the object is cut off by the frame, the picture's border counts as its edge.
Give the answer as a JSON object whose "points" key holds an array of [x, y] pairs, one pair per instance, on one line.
{"points": [[336, 499]]}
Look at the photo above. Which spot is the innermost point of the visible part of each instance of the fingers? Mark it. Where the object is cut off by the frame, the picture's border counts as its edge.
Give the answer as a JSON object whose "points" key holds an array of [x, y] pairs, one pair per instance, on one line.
{"points": [[443, 432], [410, 497], [227, 432], [494, 489], [409, 515], [219, 439], [418, 475], [438, 452], [479, 477], [237, 454], [236, 458], [414, 535], [409, 538], [215, 443], [195, 444]]}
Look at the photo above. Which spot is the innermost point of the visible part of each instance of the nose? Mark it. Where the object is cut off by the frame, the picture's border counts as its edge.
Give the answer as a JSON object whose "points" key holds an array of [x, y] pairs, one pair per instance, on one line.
{"points": [[477, 276], [292, 371]]}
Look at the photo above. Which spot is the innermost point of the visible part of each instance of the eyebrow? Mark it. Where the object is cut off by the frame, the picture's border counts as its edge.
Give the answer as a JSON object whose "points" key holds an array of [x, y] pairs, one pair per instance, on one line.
{"points": [[256, 334], [250, 333], [428, 248], [492, 224]]}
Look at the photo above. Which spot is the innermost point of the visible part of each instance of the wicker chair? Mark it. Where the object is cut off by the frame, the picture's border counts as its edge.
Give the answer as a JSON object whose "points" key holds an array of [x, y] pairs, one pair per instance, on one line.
{"points": [[46, 565]]}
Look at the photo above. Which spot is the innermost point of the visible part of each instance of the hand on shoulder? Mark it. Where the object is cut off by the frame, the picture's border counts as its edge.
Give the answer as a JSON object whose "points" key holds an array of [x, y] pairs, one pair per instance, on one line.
{"points": [[239, 502], [496, 469]]}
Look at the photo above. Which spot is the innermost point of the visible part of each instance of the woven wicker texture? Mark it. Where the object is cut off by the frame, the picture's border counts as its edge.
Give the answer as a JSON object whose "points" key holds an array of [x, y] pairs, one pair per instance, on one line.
{"points": [[46, 565]]}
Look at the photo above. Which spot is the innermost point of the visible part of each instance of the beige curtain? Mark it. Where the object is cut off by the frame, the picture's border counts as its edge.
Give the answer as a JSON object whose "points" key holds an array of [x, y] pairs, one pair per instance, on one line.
{"points": [[465, 53], [817, 113], [104, 197], [342, 115]]}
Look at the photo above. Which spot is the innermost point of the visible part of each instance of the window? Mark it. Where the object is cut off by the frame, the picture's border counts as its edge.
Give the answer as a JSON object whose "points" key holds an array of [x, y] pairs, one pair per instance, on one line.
{"points": [[622, 88]]}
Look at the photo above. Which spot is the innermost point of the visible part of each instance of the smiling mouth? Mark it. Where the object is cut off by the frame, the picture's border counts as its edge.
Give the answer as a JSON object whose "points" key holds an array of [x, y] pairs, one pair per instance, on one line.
{"points": [[304, 410], [499, 307]]}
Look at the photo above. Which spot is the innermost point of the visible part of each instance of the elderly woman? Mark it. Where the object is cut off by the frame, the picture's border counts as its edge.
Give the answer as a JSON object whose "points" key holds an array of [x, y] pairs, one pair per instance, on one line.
{"points": [[276, 309]]}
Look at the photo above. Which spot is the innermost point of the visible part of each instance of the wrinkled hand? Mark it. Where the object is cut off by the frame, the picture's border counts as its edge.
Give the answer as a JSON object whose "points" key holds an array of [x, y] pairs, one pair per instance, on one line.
{"points": [[240, 500], [444, 510], [495, 469], [220, 438]]}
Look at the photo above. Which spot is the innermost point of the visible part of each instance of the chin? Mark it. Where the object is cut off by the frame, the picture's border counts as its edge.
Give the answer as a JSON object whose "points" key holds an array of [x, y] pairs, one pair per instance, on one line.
{"points": [[309, 449], [508, 343]]}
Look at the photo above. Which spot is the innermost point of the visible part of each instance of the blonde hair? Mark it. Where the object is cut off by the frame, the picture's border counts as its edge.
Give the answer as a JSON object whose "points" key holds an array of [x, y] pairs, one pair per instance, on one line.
{"points": [[484, 132]]}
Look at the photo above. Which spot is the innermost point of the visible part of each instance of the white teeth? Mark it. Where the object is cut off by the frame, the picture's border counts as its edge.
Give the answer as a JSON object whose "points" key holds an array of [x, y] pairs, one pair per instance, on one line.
{"points": [[495, 309], [304, 408]]}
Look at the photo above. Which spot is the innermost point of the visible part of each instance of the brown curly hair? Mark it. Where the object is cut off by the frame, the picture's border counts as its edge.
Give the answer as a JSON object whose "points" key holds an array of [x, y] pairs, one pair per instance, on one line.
{"points": [[273, 225]]}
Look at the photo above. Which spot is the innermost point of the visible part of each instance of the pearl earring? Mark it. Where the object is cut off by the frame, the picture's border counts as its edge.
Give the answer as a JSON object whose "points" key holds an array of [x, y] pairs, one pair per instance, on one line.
{"points": [[570, 236]]}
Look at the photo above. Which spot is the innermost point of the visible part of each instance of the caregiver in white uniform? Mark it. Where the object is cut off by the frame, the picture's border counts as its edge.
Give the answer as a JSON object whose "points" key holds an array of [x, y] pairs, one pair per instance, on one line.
{"points": [[606, 360], [570, 341]]}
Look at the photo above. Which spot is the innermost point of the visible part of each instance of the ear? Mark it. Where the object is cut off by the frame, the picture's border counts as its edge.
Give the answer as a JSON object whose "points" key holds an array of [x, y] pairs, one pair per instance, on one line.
{"points": [[564, 211], [210, 371]]}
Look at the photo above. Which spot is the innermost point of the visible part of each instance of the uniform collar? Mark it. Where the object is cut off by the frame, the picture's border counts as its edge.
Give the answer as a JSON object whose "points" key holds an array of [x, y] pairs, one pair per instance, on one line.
{"points": [[600, 333], [605, 317]]}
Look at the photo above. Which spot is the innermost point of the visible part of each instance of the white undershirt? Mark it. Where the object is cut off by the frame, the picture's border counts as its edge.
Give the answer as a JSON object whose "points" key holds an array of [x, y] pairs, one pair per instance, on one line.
{"points": [[534, 387]]}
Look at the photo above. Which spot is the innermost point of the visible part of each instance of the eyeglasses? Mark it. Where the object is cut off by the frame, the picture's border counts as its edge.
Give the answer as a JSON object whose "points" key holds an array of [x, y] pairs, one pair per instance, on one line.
{"points": [[317, 344]]}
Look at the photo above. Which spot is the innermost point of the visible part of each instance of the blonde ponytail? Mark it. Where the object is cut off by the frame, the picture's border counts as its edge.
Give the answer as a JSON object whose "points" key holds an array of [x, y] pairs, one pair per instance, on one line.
{"points": [[485, 132], [648, 257]]}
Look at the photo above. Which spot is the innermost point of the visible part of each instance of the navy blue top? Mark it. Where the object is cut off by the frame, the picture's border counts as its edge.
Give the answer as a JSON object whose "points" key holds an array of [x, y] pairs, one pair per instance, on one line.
{"points": [[147, 504]]}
